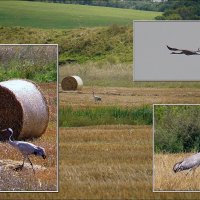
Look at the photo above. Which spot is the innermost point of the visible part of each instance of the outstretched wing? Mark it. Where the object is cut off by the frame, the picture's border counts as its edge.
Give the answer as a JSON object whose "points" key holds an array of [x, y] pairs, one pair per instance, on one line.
{"points": [[173, 49]]}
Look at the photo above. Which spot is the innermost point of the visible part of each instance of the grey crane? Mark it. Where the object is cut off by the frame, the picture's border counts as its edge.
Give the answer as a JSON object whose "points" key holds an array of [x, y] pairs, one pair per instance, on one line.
{"points": [[189, 163], [184, 51], [26, 149], [96, 98]]}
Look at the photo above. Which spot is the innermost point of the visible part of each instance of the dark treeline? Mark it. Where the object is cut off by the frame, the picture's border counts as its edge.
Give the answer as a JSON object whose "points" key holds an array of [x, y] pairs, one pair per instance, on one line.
{"points": [[181, 10]]}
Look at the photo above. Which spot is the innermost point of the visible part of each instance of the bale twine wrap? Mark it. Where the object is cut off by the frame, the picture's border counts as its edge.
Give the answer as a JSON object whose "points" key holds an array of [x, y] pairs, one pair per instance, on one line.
{"points": [[22, 108], [72, 83]]}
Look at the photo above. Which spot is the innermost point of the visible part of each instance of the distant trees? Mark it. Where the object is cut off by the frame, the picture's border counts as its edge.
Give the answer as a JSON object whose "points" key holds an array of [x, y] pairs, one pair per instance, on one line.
{"points": [[181, 10]]}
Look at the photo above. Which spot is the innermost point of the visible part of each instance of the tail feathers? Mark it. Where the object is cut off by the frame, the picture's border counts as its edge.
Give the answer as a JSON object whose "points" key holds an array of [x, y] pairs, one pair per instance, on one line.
{"points": [[177, 167]]}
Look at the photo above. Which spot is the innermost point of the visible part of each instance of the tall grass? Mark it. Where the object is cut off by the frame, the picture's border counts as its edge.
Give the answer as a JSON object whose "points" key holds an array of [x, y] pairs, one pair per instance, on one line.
{"points": [[69, 117], [38, 63], [114, 74], [166, 180]]}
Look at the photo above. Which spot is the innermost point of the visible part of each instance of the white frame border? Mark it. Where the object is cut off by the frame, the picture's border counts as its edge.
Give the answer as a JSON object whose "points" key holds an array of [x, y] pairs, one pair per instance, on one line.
{"points": [[164, 81], [57, 128], [153, 179]]}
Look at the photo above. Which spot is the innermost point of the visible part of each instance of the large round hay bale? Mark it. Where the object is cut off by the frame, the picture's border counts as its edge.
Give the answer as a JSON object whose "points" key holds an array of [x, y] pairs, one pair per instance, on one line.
{"points": [[72, 83], [22, 108]]}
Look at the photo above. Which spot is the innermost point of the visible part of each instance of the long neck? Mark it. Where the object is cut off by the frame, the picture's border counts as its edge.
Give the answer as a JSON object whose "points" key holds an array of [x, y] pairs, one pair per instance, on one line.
{"points": [[10, 140]]}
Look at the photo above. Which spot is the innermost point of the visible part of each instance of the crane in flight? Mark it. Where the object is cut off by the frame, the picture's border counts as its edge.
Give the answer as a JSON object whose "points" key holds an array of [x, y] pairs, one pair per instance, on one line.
{"points": [[183, 51]]}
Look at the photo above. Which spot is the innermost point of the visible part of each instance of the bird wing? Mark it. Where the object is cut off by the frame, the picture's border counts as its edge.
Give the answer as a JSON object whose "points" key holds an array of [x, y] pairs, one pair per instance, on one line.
{"points": [[173, 49], [190, 162], [25, 147]]}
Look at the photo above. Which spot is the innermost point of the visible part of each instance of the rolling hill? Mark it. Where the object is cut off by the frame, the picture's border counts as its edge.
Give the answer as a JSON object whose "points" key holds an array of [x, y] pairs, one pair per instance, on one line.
{"points": [[66, 16]]}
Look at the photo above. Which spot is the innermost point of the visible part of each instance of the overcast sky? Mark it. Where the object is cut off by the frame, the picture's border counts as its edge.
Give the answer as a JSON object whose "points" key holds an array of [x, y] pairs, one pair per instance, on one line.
{"points": [[153, 61]]}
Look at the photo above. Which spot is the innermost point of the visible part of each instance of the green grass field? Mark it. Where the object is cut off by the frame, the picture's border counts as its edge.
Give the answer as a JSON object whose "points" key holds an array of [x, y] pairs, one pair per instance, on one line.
{"points": [[65, 16], [104, 116]]}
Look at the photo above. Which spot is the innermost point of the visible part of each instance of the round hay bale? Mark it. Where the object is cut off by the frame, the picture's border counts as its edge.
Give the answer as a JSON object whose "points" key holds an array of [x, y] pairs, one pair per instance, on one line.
{"points": [[72, 83], [22, 108]]}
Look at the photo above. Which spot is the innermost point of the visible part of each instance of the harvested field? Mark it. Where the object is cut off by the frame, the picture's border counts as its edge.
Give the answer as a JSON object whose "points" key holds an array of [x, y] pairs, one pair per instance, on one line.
{"points": [[129, 97], [108, 162], [105, 162]]}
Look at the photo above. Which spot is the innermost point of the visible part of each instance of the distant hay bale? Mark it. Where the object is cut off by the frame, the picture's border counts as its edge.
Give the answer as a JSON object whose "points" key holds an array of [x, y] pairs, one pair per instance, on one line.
{"points": [[22, 108], [72, 83]]}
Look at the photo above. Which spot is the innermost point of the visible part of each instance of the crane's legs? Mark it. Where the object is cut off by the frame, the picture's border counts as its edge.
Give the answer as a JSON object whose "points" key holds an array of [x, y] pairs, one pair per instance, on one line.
{"points": [[31, 164], [20, 166]]}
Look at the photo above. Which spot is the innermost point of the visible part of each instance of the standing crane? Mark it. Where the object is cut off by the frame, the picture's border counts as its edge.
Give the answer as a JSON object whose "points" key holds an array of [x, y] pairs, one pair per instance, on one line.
{"points": [[183, 51], [26, 149], [96, 98], [190, 163]]}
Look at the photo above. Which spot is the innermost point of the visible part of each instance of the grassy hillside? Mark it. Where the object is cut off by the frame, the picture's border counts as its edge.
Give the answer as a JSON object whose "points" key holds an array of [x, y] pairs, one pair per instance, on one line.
{"points": [[113, 43], [62, 16]]}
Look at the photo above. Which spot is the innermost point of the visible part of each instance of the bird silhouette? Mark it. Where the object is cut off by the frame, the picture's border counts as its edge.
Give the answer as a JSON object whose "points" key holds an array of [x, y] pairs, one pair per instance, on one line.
{"points": [[26, 149], [183, 51]]}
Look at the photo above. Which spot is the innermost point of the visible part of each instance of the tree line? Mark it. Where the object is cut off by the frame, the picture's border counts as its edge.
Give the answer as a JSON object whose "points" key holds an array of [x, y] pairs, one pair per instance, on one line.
{"points": [[181, 10]]}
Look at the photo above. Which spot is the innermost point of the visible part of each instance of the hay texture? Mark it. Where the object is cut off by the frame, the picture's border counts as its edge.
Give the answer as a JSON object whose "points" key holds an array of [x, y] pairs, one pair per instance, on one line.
{"points": [[72, 83], [22, 108]]}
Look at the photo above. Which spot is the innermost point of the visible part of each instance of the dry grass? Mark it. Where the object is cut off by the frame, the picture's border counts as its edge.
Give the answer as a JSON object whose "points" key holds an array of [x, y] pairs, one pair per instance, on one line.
{"points": [[43, 179], [165, 178], [105, 161], [114, 74], [102, 74], [128, 97]]}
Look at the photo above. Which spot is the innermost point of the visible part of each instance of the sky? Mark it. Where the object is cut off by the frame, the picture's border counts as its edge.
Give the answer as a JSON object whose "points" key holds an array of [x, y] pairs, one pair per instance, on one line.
{"points": [[154, 62]]}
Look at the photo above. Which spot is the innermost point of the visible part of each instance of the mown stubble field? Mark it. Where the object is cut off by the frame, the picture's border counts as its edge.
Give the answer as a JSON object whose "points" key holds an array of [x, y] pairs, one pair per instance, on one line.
{"points": [[129, 97], [166, 180], [99, 163], [114, 161]]}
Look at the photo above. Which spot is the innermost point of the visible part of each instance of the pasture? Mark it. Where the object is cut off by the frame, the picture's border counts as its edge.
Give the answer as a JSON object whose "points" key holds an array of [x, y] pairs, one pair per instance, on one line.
{"points": [[166, 180], [66, 16]]}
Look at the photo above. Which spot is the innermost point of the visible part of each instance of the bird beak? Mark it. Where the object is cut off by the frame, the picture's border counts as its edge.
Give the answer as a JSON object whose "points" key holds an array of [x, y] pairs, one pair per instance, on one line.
{"points": [[4, 130], [43, 156]]}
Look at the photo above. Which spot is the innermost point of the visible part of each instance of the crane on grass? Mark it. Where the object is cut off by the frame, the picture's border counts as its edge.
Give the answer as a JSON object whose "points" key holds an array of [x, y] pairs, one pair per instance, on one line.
{"points": [[183, 51], [26, 149], [189, 163]]}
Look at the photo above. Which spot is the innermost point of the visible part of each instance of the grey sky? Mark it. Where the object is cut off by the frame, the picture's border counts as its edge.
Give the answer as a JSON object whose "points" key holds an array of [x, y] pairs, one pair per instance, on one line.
{"points": [[153, 61]]}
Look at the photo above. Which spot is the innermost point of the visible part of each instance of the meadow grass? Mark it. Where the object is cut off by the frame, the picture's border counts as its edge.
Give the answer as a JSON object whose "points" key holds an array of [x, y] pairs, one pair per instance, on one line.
{"points": [[114, 74], [62, 16], [37, 63], [69, 117]]}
